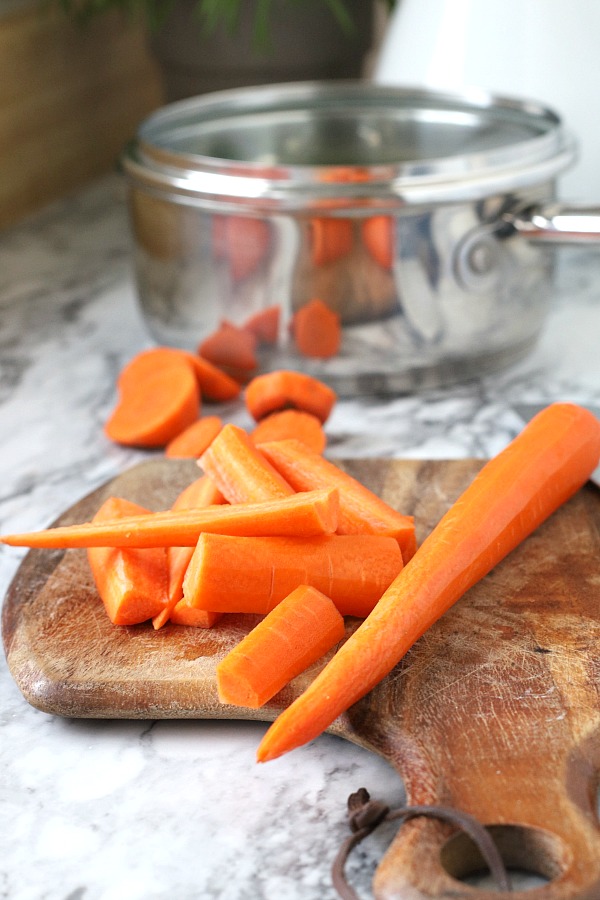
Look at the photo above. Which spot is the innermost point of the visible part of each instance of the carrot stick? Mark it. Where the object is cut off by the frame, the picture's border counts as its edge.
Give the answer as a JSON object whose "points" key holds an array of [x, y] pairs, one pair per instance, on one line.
{"points": [[361, 511], [309, 513], [253, 574], [264, 325], [231, 347], [291, 423], [132, 583], [241, 473], [285, 389], [509, 498], [293, 636], [200, 493], [317, 330], [152, 410], [195, 439]]}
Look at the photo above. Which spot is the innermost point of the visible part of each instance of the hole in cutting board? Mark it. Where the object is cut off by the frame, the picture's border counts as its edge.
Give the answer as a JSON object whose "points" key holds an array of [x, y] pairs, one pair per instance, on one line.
{"points": [[532, 856]]}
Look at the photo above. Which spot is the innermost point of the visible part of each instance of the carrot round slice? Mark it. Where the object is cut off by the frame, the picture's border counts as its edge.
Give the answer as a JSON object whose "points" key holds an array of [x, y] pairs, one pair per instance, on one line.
{"points": [[194, 440], [151, 411], [317, 330], [285, 389], [291, 424]]}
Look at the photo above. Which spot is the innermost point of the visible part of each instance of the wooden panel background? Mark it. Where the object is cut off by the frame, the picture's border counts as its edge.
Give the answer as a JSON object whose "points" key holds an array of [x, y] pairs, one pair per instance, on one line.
{"points": [[70, 98]]}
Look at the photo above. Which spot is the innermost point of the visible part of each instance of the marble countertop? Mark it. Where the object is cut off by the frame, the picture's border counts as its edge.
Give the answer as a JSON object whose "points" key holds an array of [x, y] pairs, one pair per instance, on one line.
{"points": [[104, 810]]}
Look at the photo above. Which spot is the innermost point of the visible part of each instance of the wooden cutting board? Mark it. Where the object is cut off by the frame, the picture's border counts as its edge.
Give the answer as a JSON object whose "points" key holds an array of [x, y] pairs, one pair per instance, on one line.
{"points": [[496, 710]]}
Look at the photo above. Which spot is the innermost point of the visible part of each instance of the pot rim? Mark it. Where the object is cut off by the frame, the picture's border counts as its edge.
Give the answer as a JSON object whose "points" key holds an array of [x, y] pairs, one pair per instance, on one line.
{"points": [[168, 155]]}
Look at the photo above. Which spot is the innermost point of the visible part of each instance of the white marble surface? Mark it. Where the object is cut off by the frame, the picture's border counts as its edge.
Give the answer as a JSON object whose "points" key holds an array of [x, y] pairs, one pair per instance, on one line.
{"points": [[103, 810]]}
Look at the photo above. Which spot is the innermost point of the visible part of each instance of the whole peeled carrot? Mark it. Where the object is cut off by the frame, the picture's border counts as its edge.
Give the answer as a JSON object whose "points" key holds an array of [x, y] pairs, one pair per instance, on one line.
{"points": [[511, 495]]}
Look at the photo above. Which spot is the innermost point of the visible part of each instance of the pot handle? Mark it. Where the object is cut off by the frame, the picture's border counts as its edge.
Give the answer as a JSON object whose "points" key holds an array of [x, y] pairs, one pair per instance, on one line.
{"points": [[557, 223]]}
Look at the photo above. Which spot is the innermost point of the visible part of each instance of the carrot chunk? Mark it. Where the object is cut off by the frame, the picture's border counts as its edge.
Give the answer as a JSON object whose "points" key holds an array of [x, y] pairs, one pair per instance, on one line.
{"points": [[230, 347], [317, 330], [132, 583], [264, 325], [200, 493], [291, 423], [293, 636], [378, 238], [361, 511], [330, 239], [156, 406], [239, 470], [509, 498], [285, 389], [182, 614], [253, 574], [195, 439], [215, 385], [243, 242]]}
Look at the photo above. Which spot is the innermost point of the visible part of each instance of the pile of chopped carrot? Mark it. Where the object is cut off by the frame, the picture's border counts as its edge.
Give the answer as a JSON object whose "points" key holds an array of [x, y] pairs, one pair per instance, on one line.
{"points": [[274, 529]]}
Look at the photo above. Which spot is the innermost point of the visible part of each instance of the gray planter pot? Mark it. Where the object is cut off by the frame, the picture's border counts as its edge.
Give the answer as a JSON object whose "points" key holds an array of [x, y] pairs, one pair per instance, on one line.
{"points": [[306, 43]]}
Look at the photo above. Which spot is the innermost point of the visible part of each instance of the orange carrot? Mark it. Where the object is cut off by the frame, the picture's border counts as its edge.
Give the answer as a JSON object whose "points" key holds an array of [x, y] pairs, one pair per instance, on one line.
{"points": [[253, 574], [182, 614], [230, 347], [287, 389], [152, 410], [264, 325], [195, 439], [201, 492], [378, 238], [242, 242], [361, 511], [145, 363], [291, 423], [509, 498], [331, 239], [317, 330], [241, 473], [132, 583], [215, 385], [293, 636], [307, 513]]}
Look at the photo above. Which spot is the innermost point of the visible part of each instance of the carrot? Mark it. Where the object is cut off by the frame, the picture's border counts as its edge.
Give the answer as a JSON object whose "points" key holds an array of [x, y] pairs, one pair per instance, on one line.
{"points": [[215, 385], [239, 470], [264, 325], [155, 407], [182, 614], [132, 583], [287, 389], [195, 439], [230, 347], [361, 511], [291, 423], [378, 238], [253, 574], [508, 499], [317, 330], [331, 239], [201, 492], [308, 513], [242, 242], [293, 636]]}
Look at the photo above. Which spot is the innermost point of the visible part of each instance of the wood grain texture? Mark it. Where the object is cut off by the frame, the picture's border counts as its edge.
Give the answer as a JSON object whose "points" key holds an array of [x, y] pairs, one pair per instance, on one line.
{"points": [[70, 99], [496, 710]]}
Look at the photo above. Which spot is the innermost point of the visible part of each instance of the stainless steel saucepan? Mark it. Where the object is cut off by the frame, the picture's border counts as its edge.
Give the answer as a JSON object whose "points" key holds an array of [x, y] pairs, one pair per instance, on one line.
{"points": [[424, 221]]}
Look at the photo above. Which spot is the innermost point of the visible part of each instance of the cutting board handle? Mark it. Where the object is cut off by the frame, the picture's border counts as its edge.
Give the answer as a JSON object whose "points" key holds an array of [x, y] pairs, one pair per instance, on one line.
{"points": [[544, 829]]}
